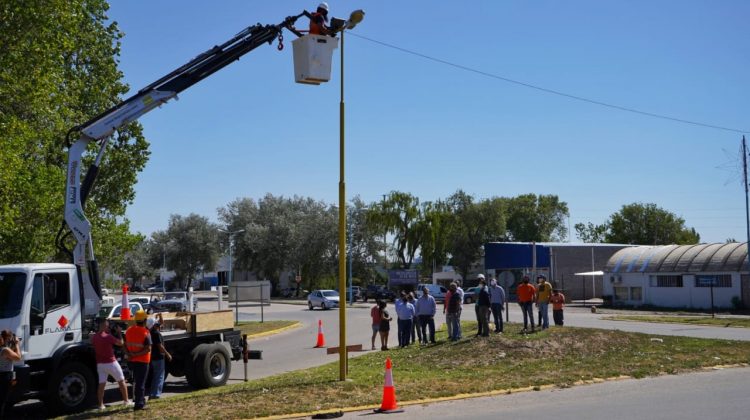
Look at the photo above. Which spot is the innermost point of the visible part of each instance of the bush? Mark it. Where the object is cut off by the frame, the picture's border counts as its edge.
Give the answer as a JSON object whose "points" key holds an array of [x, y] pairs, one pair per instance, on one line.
{"points": [[737, 303]]}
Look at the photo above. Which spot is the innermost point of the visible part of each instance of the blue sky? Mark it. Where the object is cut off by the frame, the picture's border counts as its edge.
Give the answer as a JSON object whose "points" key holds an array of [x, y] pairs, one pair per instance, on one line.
{"points": [[427, 128]]}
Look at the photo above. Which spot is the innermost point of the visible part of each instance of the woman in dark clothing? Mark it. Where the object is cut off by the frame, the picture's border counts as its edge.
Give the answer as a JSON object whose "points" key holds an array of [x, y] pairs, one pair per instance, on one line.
{"points": [[385, 326]]}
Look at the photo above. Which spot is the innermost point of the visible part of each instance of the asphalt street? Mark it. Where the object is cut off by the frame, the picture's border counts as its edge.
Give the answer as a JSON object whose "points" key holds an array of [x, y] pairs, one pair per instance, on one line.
{"points": [[719, 394]]}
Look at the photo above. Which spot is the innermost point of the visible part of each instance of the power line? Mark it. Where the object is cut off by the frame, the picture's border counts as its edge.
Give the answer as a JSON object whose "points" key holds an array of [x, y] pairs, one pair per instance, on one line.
{"points": [[551, 91]]}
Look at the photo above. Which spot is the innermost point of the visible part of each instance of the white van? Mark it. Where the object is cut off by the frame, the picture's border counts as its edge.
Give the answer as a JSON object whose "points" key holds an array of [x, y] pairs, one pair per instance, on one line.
{"points": [[438, 292]]}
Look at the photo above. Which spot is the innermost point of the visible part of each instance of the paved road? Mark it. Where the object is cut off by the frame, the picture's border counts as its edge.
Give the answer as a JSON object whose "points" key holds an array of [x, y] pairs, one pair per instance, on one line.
{"points": [[718, 394]]}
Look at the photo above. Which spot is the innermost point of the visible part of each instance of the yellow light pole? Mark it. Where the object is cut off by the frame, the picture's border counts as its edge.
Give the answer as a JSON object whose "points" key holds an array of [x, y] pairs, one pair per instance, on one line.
{"points": [[355, 17]]}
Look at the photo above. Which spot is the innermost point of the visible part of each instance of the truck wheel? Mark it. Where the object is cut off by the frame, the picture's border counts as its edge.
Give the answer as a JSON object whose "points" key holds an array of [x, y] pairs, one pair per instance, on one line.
{"points": [[215, 365], [71, 388]]}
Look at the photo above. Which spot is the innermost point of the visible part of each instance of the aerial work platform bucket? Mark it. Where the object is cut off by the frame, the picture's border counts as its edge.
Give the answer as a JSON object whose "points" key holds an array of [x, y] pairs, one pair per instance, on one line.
{"points": [[312, 58]]}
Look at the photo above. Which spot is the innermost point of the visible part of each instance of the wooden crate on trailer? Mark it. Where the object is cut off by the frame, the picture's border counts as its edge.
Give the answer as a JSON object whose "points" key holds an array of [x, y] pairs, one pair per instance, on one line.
{"points": [[210, 321]]}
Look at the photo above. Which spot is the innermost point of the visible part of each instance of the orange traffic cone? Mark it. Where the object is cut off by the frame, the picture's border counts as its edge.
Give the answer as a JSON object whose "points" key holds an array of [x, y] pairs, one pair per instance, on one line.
{"points": [[125, 311], [321, 340], [389, 391]]}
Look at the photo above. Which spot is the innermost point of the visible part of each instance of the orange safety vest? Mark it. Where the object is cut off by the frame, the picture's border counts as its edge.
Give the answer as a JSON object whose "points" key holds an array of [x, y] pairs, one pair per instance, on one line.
{"points": [[315, 27], [135, 342]]}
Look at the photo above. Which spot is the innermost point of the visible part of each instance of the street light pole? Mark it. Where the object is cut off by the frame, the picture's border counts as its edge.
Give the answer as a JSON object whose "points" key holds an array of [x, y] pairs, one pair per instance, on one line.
{"points": [[354, 19], [342, 228], [164, 269], [231, 248]]}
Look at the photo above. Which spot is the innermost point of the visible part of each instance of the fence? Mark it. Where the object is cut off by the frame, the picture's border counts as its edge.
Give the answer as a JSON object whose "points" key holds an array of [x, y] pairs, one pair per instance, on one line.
{"points": [[245, 294]]}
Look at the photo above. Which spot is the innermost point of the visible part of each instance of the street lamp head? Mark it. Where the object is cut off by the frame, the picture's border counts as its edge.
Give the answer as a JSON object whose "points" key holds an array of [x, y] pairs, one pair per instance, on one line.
{"points": [[355, 18]]}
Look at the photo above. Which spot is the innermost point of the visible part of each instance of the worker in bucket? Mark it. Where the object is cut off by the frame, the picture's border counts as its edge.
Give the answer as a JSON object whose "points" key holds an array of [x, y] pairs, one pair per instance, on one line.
{"points": [[319, 20]]}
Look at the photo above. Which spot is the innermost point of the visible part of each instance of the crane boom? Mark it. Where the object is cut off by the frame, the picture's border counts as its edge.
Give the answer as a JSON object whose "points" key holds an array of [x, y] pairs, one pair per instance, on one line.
{"points": [[101, 127]]}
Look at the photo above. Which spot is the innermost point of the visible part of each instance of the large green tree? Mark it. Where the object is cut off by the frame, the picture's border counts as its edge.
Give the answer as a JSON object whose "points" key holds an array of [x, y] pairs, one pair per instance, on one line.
{"points": [[399, 215], [643, 224], [191, 246], [472, 225], [436, 228], [58, 68], [283, 234], [539, 218]]}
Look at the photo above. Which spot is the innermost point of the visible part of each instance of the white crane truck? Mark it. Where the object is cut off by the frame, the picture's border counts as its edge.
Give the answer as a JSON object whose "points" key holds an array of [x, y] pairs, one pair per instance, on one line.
{"points": [[52, 307]]}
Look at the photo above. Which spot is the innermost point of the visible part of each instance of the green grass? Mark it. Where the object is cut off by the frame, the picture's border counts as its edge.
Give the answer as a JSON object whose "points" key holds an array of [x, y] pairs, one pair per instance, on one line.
{"points": [[693, 320], [557, 356], [257, 327]]}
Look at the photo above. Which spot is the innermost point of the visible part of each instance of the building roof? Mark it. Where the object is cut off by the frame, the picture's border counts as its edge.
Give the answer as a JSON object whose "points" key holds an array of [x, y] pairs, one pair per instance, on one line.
{"points": [[717, 257]]}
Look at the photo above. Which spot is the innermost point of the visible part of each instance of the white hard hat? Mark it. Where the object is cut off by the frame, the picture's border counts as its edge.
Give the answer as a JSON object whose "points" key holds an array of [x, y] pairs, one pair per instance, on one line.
{"points": [[323, 6], [480, 277], [150, 323]]}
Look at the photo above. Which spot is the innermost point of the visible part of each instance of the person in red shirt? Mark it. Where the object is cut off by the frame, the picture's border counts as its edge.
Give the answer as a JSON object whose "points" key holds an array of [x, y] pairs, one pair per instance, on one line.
{"points": [[106, 364], [375, 315], [448, 325], [526, 296], [558, 302]]}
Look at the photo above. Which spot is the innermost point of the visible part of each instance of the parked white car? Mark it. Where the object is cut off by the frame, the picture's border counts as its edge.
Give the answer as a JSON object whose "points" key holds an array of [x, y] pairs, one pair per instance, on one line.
{"points": [[113, 311], [323, 299]]}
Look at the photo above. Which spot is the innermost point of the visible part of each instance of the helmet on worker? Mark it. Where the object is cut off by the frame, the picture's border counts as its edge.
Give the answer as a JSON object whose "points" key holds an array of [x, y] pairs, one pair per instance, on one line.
{"points": [[140, 316], [323, 8]]}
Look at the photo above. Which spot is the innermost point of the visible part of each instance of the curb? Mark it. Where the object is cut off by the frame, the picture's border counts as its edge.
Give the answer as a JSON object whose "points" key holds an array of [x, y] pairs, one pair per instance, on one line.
{"points": [[276, 331]]}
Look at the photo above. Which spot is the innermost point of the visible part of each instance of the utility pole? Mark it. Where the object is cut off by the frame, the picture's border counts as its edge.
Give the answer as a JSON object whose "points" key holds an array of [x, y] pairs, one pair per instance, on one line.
{"points": [[744, 182]]}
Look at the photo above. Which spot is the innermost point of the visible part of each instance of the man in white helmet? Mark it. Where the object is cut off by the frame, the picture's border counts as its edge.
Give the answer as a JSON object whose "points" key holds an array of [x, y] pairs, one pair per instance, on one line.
{"points": [[318, 21]]}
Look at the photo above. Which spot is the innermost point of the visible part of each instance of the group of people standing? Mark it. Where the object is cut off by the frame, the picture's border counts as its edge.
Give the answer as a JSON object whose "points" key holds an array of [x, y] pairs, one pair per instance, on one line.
{"points": [[415, 318], [144, 349], [543, 294], [489, 300]]}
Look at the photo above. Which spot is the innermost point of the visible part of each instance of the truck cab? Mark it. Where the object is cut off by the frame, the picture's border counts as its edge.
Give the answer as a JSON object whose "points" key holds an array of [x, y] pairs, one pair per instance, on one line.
{"points": [[41, 304]]}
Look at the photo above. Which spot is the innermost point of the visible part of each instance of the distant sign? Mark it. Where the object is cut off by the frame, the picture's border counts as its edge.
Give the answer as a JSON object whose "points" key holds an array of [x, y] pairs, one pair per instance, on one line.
{"points": [[403, 278]]}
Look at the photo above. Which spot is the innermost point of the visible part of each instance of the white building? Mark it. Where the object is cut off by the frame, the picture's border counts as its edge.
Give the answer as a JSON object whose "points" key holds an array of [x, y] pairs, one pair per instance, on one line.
{"points": [[679, 276]]}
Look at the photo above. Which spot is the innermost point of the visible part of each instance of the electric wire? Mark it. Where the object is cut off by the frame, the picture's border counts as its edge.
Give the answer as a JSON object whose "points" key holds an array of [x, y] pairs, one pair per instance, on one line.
{"points": [[550, 91]]}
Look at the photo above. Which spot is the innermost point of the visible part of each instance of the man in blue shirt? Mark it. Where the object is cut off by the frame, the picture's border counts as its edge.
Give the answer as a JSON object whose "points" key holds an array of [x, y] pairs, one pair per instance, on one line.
{"points": [[426, 308], [406, 313], [497, 300]]}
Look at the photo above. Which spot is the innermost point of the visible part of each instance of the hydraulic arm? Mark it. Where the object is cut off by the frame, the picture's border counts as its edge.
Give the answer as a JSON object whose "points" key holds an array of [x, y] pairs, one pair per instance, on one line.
{"points": [[101, 127]]}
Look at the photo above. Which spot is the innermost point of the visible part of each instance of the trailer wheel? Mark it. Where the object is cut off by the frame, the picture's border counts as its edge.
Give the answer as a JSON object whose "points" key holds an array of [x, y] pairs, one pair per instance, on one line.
{"points": [[215, 365], [176, 368], [192, 366], [71, 388]]}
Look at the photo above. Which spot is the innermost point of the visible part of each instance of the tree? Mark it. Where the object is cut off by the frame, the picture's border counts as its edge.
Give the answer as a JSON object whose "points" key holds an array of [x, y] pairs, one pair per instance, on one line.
{"points": [[365, 246], [435, 228], [591, 233], [191, 246], [533, 218], [284, 234], [644, 224], [137, 262], [471, 226], [399, 215], [58, 68]]}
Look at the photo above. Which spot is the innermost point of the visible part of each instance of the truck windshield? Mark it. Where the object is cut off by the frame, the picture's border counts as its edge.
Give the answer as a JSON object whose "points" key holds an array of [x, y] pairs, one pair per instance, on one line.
{"points": [[11, 293]]}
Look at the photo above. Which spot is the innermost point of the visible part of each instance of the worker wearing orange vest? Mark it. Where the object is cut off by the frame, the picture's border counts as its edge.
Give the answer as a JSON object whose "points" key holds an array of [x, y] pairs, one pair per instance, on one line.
{"points": [[318, 21], [138, 348]]}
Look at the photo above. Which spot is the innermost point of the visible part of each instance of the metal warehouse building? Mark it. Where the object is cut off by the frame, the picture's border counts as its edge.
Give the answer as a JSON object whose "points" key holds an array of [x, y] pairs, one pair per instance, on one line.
{"points": [[558, 261], [679, 276]]}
